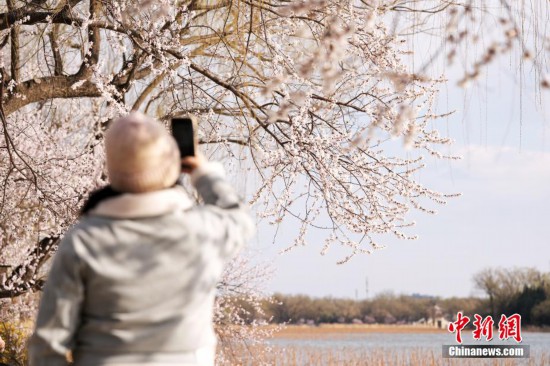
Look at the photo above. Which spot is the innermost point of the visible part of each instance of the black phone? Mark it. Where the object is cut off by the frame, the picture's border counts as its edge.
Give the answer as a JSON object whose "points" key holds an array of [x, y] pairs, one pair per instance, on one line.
{"points": [[184, 131]]}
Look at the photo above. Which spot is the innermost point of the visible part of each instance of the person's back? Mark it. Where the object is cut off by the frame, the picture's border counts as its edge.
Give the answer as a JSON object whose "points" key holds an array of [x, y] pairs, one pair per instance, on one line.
{"points": [[134, 281]]}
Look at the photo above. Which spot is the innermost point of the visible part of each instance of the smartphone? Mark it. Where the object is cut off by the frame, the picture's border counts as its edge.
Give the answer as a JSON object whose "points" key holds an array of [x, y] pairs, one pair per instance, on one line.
{"points": [[184, 130]]}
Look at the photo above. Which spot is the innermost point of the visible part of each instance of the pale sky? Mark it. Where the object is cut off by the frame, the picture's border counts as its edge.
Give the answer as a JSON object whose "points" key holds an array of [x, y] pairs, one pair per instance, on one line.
{"points": [[502, 219]]}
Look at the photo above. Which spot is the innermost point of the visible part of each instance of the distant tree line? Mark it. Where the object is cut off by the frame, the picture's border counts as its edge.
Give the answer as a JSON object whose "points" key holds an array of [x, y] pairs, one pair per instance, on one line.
{"points": [[525, 291], [385, 308]]}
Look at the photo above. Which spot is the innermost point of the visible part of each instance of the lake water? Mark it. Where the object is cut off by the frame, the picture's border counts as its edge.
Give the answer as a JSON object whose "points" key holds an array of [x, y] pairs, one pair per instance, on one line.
{"points": [[536, 340], [404, 343]]}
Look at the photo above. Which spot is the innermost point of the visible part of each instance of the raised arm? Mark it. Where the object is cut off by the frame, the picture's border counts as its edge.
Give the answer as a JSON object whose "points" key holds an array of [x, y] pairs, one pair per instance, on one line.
{"points": [[224, 217]]}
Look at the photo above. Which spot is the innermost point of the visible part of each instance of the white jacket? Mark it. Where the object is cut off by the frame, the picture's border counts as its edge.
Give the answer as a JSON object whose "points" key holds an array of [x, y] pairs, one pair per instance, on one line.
{"points": [[134, 281]]}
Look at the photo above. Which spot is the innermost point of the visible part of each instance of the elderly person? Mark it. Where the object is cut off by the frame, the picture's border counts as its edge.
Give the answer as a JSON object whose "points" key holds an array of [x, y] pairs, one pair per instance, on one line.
{"points": [[134, 281]]}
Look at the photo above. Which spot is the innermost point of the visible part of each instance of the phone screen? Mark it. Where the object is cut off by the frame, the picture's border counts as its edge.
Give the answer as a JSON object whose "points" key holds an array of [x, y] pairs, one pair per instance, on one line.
{"points": [[183, 131]]}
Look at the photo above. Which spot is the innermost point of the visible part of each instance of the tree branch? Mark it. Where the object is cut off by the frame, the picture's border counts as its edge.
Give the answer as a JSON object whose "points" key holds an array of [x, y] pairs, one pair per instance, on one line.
{"points": [[93, 33], [58, 60], [14, 46], [42, 89], [194, 6], [27, 15]]}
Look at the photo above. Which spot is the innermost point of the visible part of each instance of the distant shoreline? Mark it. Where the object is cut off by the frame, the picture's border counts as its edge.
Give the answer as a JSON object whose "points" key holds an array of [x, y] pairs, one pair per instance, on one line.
{"points": [[325, 329]]}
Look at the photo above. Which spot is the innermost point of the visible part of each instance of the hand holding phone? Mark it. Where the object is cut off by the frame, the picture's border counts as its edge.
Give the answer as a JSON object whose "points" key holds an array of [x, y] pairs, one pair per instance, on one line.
{"points": [[190, 163]]}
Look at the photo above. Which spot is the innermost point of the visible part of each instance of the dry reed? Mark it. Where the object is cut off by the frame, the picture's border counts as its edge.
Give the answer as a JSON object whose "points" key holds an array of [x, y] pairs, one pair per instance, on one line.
{"points": [[316, 356]]}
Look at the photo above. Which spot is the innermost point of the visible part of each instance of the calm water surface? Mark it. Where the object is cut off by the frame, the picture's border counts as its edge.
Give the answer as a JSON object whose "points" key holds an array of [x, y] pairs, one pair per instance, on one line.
{"points": [[537, 341]]}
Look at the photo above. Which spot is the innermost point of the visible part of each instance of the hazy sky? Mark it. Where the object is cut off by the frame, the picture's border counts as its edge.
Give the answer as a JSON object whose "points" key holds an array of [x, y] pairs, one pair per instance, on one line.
{"points": [[502, 219]]}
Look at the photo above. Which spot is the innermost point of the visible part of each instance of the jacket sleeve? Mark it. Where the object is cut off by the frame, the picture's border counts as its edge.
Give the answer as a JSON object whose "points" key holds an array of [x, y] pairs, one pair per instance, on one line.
{"points": [[224, 217], [59, 311]]}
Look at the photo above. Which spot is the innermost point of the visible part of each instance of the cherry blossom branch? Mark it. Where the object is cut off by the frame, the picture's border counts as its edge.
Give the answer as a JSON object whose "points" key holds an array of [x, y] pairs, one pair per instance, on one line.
{"points": [[28, 15]]}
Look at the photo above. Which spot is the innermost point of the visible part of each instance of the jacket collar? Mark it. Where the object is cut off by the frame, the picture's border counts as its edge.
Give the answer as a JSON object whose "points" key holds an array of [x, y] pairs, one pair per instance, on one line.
{"points": [[140, 205]]}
